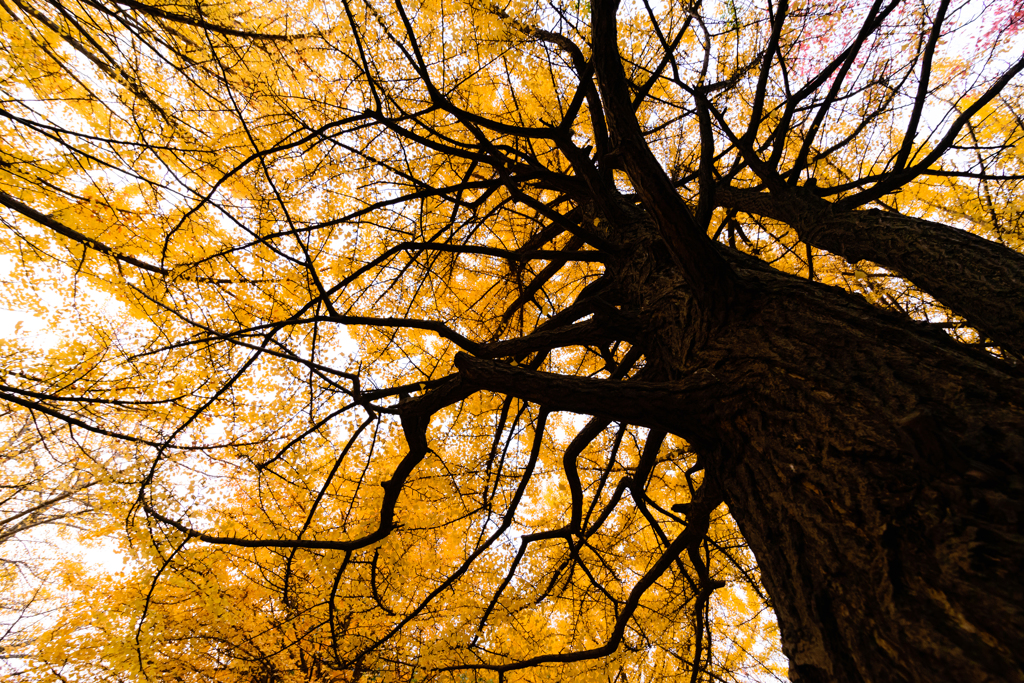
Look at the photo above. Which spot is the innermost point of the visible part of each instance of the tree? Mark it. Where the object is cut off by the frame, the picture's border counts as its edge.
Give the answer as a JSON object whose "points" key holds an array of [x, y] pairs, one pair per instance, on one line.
{"points": [[436, 339]]}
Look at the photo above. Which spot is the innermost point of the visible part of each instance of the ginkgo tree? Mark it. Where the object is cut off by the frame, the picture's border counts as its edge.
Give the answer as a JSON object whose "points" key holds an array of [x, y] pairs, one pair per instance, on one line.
{"points": [[468, 340]]}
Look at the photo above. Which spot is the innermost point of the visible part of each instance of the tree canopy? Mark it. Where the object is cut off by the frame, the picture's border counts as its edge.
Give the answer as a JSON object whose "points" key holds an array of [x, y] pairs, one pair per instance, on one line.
{"points": [[459, 340]]}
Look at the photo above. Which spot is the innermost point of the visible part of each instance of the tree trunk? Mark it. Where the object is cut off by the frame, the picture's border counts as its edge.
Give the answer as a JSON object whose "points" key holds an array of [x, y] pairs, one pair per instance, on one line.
{"points": [[876, 474], [874, 466], [875, 471]]}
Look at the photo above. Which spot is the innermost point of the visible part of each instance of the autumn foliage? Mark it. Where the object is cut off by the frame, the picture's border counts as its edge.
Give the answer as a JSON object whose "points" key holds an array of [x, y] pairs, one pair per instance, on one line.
{"points": [[310, 295]]}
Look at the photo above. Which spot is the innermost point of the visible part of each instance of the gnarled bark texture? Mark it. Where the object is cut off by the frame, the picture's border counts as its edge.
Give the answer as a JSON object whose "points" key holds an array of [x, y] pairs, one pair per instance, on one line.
{"points": [[874, 468], [976, 278]]}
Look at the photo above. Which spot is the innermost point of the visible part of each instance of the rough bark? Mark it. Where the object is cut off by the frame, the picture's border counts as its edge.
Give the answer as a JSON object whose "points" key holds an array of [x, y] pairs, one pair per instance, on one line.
{"points": [[875, 469], [876, 476], [981, 280]]}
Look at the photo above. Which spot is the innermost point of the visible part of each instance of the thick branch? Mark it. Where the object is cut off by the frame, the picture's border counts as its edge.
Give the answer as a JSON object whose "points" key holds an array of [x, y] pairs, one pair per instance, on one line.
{"points": [[708, 275], [590, 332], [979, 279], [670, 406]]}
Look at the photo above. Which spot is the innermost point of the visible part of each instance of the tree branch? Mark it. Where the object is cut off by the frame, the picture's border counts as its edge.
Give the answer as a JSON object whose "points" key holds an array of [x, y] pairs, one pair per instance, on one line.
{"points": [[670, 406], [979, 279]]}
